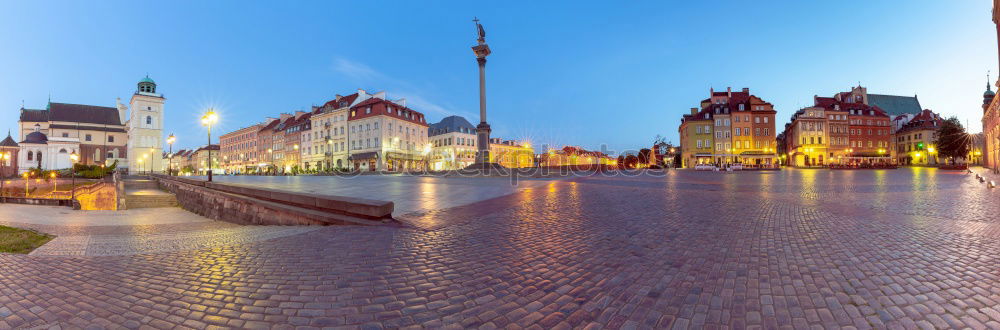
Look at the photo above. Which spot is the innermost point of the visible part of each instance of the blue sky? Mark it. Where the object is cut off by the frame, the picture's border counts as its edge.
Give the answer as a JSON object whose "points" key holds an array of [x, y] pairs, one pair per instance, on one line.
{"points": [[562, 73]]}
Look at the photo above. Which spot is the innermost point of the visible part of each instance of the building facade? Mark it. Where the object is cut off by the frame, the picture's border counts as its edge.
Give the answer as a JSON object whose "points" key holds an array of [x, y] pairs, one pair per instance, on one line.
{"points": [[731, 127], [453, 144], [991, 112], [8, 157], [329, 132], [512, 154], [386, 135], [843, 129], [239, 150], [696, 138], [915, 142]]}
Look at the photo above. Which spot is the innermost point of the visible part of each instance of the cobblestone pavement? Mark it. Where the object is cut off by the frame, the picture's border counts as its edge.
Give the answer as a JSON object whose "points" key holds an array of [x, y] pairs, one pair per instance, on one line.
{"points": [[410, 194], [904, 248]]}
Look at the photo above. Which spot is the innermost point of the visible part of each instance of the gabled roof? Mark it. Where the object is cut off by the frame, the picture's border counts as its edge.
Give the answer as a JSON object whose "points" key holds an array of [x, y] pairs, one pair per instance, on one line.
{"points": [[926, 119], [344, 101], [895, 105], [8, 142], [34, 115], [84, 114], [451, 124], [77, 113]]}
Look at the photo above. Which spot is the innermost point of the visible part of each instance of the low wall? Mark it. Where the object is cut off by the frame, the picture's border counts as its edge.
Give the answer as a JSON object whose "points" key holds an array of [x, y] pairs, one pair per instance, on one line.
{"points": [[255, 206], [101, 196]]}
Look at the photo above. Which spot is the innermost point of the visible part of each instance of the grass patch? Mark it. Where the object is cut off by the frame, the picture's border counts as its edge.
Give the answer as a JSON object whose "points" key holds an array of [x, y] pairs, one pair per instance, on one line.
{"points": [[16, 240]]}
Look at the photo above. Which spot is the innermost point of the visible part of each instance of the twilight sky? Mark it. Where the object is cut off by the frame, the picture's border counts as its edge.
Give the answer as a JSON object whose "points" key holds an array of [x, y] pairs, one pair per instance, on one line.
{"points": [[561, 73]]}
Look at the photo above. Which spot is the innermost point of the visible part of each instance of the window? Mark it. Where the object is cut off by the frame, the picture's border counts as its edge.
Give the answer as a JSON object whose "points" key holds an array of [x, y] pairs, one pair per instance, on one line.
{"points": [[65, 134], [699, 144], [756, 120], [765, 120], [87, 137], [697, 129], [30, 155], [368, 110], [737, 132], [746, 131]]}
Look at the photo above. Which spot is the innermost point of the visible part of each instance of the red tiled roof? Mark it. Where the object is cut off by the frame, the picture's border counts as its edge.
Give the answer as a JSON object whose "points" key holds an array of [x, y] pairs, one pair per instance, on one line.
{"points": [[336, 104], [379, 107]]}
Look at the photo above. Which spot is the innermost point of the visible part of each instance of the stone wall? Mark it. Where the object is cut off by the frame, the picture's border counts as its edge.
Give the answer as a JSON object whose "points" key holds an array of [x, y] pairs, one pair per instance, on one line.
{"points": [[102, 196], [252, 206]]}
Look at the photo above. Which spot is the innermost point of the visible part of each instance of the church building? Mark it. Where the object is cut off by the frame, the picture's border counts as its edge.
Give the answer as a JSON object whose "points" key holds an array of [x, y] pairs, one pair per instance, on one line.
{"points": [[98, 135]]}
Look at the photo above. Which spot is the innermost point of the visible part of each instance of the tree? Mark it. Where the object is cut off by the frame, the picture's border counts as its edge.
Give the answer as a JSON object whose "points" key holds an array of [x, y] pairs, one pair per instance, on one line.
{"points": [[643, 157], [631, 161], [952, 140]]}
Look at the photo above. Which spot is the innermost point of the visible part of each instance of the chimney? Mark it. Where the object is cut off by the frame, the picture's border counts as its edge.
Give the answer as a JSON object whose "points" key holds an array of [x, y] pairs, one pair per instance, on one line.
{"points": [[362, 94], [338, 97], [711, 91], [694, 111], [285, 116], [729, 92]]}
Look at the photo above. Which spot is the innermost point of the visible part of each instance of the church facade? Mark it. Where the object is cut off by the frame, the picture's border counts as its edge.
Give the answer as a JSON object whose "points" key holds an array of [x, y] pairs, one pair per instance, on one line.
{"points": [[98, 135]]}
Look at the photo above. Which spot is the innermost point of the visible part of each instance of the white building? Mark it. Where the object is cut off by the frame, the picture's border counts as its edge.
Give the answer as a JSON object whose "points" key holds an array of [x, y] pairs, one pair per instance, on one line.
{"points": [[145, 126], [39, 151], [453, 144], [386, 135], [329, 132]]}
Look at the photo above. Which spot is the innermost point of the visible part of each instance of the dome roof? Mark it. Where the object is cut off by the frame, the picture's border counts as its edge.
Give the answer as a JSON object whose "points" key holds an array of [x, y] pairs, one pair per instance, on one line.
{"points": [[147, 80], [36, 137], [989, 93]]}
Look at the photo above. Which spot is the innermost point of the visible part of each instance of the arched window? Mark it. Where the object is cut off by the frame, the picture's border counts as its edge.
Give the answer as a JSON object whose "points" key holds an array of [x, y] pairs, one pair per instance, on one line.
{"points": [[31, 155], [149, 120], [62, 151], [39, 156]]}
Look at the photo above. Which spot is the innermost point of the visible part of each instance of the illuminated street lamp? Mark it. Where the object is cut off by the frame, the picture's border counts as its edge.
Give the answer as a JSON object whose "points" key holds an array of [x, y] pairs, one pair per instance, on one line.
{"points": [[207, 120], [170, 157], [26, 175], [73, 158], [53, 175]]}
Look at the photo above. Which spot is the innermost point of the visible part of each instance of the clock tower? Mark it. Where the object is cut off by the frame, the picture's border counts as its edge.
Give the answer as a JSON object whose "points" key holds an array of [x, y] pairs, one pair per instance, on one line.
{"points": [[145, 129]]}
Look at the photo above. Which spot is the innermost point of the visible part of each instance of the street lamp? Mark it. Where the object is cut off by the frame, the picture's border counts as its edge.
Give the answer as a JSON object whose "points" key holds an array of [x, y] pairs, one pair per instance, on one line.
{"points": [[53, 175], [73, 158], [207, 120], [26, 175], [170, 158], [141, 168]]}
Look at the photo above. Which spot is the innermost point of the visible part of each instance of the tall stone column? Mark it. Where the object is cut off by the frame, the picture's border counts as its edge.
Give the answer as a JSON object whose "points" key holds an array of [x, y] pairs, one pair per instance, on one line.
{"points": [[483, 129]]}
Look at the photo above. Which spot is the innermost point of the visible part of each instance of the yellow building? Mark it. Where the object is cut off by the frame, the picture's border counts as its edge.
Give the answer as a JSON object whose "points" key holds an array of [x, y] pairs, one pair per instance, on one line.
{"points": [[512, 154], [696, 138], [916, 140]]}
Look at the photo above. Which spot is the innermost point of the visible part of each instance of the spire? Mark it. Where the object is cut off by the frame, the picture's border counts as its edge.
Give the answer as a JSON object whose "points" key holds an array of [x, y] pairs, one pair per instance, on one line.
{"points": [[988, 80], [49, 105]]}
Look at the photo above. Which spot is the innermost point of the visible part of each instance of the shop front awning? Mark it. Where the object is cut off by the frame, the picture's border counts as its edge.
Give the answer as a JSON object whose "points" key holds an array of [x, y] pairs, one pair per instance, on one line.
{"points": [[364, 156]]}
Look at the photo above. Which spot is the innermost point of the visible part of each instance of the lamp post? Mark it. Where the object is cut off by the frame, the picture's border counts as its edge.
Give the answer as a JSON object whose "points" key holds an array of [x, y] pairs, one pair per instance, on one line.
{"points": [[141, 167], [26, 175], [207, 120], [170, 157], [73, 158], [53, 175]]}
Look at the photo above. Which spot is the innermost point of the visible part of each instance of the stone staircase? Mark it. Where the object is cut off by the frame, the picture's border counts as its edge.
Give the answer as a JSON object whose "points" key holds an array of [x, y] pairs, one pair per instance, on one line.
{"points": [[145, 193]]}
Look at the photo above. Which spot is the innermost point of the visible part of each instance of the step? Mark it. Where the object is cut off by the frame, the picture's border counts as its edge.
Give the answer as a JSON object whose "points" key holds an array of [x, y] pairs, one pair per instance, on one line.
{"points": [[141, 184], [150, 201]]}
